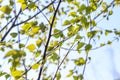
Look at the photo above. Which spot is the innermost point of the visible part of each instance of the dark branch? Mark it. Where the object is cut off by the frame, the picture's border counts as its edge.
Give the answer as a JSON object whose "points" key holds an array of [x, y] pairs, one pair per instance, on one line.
{"points": [[49, 36]]}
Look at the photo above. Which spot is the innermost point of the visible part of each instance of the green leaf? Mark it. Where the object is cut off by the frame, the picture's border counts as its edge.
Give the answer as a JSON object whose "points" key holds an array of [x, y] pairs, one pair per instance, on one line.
{"points": [[2, 73], [53, 57], [80, 77], [80, 62], [31, 47], [13, 34], [88, 47], [15, 54], [109, 42], [75, 77], [78, 37], [66, 22], [70, 73], [107, 32], [117, 32], [21, 1], [71, 28], [7, 76], [57, 33], [94, 23], [6, 9], [35, 29], [80, 45], [21, 45], [1, 1], [26, 27], [81, 8], [91, 34], [35, 66], [73, 14], [110, 12], [10, 53], [58, 76], [16, 74], [102, 44], [39, 42], [32, 5], [37, 54], [42, 27]]}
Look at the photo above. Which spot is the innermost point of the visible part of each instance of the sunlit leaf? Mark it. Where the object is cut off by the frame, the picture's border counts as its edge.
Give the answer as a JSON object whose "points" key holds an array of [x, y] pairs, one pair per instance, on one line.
{"points": [[73, 14], [66, 22], [80, 62], [10, 53], [31, 47], [1, 1], [24, 6], [35, 66], [16, 73], [35, 29], [70, 73], [21, 1], [6, 9]]}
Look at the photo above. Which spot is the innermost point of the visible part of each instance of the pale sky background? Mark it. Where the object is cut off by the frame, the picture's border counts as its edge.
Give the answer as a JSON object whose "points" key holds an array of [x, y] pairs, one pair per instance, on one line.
{"points": [[104, 64]]}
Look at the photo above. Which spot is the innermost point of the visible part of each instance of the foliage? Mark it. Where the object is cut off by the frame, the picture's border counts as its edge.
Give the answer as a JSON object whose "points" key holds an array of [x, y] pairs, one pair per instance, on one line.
{"points": [[36, 34]]}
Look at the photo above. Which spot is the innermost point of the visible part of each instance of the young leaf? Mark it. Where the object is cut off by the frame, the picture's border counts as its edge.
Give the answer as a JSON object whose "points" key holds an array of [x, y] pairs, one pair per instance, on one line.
{"points": [[73, 14], [58, 76], [70, 73], [6, 9], [35, 66], [35, 29], [88, 47], [66, 22], [110, 12], [39, 42], [21, 45], [13, 34], [37, 54], [80, 45], [17, 73], [31, 47], [107, 32], [80, 62], [109, 42]]}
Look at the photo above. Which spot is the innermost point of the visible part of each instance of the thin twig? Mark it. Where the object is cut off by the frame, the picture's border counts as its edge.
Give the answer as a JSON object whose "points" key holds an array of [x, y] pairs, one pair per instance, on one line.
{"points": [[46, 46], [7, 24], [62, 61], [13, 24], [103, 10], [35, 14], [25, 69]]}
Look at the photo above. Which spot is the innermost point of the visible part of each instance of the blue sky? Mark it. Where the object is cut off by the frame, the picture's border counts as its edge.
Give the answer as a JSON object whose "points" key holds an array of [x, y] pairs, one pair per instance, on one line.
{"points": [[104, 64]]}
